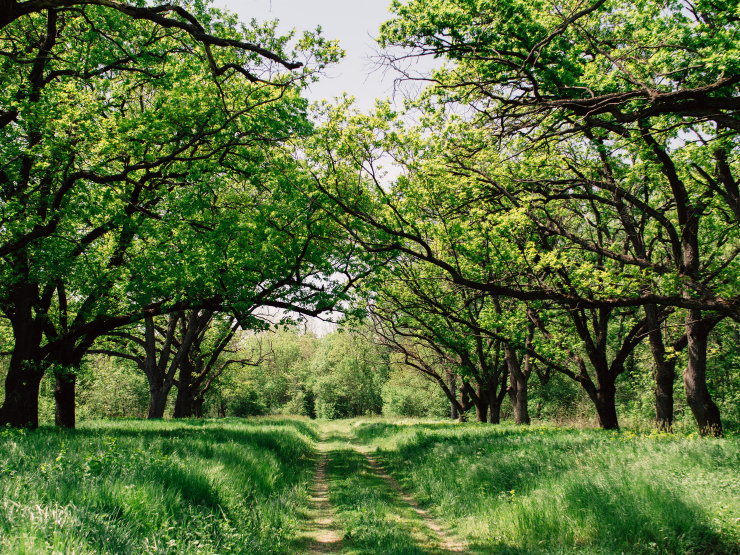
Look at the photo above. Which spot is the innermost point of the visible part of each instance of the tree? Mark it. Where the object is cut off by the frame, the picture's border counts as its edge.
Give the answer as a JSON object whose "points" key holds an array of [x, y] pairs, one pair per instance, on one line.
{"points": [[569, 113], [347, 374], [112, 153], [655, 78], [183, 350], [413, 317]]}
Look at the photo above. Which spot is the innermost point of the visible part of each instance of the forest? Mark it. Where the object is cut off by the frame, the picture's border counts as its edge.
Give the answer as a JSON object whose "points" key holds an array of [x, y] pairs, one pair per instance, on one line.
{"points": [[542, 235]]}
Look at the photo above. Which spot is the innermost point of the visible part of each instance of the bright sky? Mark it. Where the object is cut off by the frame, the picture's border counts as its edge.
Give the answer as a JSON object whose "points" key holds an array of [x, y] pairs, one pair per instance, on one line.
{"points": [[354, 22]]}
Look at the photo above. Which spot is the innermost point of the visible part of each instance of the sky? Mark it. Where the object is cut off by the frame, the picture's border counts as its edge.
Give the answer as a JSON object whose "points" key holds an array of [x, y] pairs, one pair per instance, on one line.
{"points": [[354, 22]]}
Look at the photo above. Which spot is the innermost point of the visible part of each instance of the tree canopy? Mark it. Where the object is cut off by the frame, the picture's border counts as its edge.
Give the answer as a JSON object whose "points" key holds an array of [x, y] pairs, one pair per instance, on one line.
{"points": [[564, 188]]}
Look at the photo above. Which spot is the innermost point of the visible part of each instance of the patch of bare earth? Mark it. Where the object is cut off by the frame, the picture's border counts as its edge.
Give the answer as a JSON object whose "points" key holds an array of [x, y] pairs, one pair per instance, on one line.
{"points": [[323, 534]]}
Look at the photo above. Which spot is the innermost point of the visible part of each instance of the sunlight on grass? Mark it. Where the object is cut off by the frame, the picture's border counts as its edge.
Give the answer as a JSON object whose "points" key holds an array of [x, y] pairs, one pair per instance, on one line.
{"points": [[375, 520], [233, 486], [551, 490]]}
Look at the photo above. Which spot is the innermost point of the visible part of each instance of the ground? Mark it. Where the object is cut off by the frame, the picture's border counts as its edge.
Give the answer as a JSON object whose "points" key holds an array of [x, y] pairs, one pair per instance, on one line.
{"points": [[365, 487]]}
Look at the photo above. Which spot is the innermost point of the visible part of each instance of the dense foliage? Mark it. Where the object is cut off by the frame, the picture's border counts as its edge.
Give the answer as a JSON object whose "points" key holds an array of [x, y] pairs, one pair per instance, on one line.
{"points": [[570, 171], [565, 207]]}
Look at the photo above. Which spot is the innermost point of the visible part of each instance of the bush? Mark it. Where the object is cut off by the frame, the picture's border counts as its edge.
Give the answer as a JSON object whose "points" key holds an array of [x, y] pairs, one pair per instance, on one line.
{"points": [[246, 402], [107, 388], [409, 394]]}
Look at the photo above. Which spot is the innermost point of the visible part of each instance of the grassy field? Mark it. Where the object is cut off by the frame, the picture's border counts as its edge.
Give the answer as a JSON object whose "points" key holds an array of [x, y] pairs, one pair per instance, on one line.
{"points": [[244, 486], [233, 486], [548, 490]]}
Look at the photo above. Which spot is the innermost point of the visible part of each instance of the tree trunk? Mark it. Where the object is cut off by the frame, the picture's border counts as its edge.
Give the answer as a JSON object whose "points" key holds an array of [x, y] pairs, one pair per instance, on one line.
{"points": [[453, 391], [518, 388], [198, 407], [464, 401], [186, 391], [21, 406], [25, 370], [494, 408], [604, 400], [698, 398], [158, 401], [64, 395], [497, 395], [184, 404], [481, 405], [664, 372]]}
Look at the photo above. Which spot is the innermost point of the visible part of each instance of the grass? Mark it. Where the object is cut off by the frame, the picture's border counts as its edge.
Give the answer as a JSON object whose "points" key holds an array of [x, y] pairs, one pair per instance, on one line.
{"points": [[544, 489], [242, 486], [373, 518], [230, 486]]}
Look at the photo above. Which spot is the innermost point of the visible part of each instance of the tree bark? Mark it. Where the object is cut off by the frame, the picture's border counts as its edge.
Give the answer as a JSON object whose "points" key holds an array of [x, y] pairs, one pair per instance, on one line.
{"points": [[481, 405], [497, 397], [187, 389], [198, 407], [21, 406], [606, 407], [494, 409], [698, 398], [518, 387], [64, 396], [465, 402], [664, 371], [158, 400], [453, 390], [26, 368]]}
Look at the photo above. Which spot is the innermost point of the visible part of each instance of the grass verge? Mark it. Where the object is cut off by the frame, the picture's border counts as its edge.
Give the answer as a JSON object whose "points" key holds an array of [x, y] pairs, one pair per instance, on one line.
{"points": [[544, 489], [228, 486]]}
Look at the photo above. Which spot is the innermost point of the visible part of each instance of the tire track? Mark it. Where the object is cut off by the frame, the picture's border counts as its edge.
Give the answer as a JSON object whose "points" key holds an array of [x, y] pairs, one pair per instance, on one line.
{"points": [[324, 535], [446, 543]]}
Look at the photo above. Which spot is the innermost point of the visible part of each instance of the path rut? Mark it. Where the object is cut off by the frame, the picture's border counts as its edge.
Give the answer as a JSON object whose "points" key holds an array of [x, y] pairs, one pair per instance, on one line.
{"points": [[324, 535], [448, 544]]}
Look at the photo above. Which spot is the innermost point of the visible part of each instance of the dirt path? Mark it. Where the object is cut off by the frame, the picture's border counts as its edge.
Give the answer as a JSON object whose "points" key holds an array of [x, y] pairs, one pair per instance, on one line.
{"points": [[446, 543], [322, 533], [320, 529]]}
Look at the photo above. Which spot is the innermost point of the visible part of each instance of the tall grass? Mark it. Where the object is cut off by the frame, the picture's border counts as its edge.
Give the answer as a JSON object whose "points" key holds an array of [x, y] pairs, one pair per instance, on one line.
{"points": [[544, 489], [234, 486]]}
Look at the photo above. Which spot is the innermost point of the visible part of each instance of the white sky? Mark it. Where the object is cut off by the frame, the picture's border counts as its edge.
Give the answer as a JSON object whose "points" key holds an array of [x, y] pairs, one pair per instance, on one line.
{"points": [[354, 22]]}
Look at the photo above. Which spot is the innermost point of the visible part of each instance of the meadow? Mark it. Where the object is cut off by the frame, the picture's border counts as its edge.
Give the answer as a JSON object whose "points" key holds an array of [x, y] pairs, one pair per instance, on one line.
{"points": [[132, 487], [244, 486], [545, 489]]}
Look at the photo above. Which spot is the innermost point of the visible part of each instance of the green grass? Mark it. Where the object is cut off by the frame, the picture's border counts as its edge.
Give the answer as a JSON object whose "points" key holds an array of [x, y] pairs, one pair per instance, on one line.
{"points": [[229, 486], [549, 490], [241, 486], [373, 517]]}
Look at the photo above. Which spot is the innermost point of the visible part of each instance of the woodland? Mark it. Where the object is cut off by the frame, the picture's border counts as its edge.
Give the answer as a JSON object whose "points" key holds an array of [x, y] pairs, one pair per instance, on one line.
{"points": [[558, 199], [527, 264]]}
